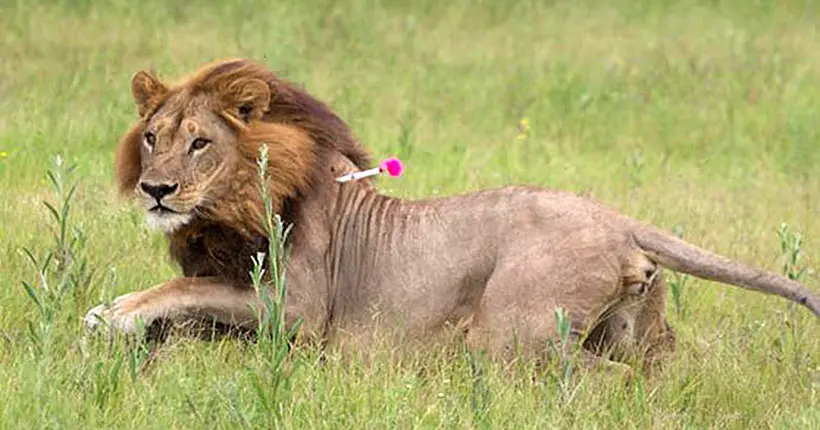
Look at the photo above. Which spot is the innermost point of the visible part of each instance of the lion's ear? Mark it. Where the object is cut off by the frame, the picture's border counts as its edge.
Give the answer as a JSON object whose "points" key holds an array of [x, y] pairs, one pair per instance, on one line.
{"points": [[247, 98], [145, 86]]}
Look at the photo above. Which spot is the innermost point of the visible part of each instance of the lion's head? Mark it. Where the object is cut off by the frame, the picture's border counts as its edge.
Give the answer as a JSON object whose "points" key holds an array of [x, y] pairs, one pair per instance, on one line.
{"points": [[192, 155]]}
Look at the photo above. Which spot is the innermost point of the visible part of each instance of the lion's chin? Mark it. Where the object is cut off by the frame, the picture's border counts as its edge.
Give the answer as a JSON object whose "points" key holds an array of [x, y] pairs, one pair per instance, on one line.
{"points": [[167, 221]]}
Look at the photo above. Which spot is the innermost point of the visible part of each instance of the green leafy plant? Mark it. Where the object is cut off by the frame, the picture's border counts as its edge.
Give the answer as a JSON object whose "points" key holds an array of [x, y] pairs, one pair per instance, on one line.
{"points": [[566, 352], [63, 271], [270, 379], [791, 248], [480, 394]]}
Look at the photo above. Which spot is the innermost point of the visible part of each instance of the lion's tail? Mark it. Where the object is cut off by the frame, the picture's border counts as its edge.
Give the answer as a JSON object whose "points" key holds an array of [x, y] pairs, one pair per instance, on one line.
{"points": [[680, 256]]}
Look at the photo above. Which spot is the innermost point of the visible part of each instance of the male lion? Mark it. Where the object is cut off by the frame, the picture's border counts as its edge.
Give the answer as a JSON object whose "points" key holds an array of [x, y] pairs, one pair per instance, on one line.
{"points": [[495, 263]]}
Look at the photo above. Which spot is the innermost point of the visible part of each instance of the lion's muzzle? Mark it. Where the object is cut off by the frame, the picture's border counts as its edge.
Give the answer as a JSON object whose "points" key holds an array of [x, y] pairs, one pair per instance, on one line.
{"points": [[158, 191]]}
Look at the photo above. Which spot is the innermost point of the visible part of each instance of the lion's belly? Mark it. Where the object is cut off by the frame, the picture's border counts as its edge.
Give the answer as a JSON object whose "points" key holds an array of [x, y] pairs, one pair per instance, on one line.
{"points": [[412, 303]]}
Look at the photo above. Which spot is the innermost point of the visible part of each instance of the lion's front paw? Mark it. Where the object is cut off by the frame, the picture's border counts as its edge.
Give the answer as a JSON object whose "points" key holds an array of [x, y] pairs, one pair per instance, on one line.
{"points": [[122, 315]]}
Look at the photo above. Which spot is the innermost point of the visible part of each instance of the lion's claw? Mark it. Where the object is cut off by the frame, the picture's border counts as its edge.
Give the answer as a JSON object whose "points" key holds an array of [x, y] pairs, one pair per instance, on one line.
{"points": [[120, 315]]}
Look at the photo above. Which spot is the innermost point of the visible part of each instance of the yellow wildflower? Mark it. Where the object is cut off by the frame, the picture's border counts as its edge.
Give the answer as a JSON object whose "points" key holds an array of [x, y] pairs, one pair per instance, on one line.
{"points": [[4, 154], [523, 129]]}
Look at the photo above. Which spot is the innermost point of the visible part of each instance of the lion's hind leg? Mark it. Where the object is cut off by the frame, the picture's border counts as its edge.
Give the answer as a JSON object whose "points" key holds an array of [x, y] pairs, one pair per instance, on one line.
{"points": [[654, 334], [516, 318], [634, 329]]}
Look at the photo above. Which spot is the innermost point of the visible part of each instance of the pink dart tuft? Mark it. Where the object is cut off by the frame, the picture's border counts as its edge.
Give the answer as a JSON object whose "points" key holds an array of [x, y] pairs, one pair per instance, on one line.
{"points": [[392, 166]]}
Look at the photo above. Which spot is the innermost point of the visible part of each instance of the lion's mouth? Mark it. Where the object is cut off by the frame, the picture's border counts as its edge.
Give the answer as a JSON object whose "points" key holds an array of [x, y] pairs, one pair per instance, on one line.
{"points": [[164, 218], [169, 216], [161, 209]]}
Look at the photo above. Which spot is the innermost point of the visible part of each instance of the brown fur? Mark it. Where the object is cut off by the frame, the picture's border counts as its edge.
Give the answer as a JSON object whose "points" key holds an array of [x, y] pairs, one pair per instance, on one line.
{"points": [[494, 264]]}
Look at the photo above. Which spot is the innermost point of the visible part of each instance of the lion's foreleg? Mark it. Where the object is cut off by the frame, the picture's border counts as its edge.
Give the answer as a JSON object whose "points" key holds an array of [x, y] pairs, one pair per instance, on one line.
{"points": [[179, 300]]}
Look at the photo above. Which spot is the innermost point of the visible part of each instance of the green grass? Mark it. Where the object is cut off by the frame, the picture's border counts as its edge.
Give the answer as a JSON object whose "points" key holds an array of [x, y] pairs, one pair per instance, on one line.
{"points": [[699, 116]]}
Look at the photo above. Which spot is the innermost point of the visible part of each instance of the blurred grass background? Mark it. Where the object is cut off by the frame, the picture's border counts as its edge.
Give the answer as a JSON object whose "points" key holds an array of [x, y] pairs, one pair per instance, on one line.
{"points": [[697, 116]]}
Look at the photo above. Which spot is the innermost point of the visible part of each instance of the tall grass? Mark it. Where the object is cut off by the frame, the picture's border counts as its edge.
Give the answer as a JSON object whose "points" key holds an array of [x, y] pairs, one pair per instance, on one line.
{"points": [[699, 117], [273, 335]]}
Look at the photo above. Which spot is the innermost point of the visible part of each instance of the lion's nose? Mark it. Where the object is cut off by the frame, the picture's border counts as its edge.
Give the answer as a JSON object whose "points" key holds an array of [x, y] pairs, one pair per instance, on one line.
{"points": [[158, 191]]}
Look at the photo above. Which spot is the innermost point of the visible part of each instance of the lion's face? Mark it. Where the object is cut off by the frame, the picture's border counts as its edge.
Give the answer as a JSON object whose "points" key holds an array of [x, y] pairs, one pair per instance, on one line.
{"points": [[193, 153], [186, 151], [181, 157]]}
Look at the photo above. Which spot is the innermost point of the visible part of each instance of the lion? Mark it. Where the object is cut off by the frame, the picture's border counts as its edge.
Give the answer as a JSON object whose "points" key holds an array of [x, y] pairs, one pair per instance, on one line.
{"points": [[495, 264]]}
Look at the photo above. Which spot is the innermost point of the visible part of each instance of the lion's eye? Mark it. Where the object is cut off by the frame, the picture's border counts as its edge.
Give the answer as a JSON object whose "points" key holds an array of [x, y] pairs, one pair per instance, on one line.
{"points": [[150, 139], [199, 143]]}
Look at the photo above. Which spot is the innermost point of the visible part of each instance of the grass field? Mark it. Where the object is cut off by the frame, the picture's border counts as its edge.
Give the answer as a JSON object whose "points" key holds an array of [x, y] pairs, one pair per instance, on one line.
{"points": [[698, 116]]}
